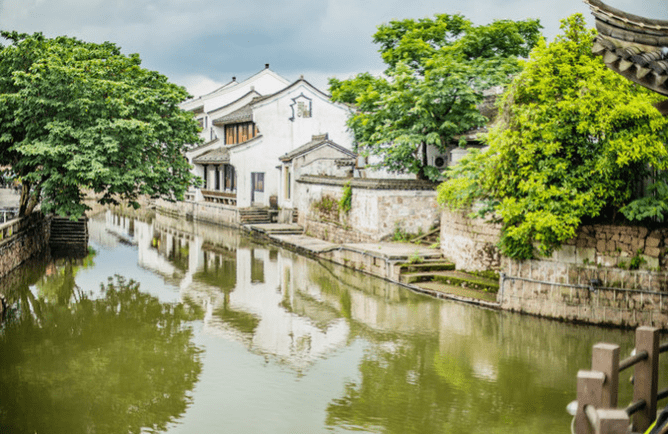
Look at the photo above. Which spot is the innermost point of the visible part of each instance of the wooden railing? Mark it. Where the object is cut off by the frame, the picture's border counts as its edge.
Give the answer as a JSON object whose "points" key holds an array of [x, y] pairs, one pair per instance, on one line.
{"points": [[597, 390]]}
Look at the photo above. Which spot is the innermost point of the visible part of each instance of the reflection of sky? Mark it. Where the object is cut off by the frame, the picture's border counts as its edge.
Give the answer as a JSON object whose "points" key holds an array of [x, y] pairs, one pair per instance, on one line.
{"points": [[240, 392], [122, 260]]}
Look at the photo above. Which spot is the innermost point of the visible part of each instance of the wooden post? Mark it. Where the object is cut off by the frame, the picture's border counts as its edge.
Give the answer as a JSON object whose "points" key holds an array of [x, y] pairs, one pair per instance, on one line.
{"points": [[590, 390], [605, 358], [646, 377], [612, 421]]}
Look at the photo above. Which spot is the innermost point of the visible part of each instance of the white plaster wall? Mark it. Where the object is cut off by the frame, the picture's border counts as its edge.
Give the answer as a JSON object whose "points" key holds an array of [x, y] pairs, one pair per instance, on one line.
{"points": [[376, 213], [273, 120], [280, 135]]}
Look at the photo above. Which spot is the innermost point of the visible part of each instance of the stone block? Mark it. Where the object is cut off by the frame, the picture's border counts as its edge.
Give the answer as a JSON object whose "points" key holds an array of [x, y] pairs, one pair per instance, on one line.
{"points": [[600, 245], [610, 246], [652, 242], [653, 252], [651, 263]]}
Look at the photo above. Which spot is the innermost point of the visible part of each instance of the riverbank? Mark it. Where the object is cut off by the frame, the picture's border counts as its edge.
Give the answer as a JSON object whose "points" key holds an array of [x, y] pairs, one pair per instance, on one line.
{"points": [[382, 259]]}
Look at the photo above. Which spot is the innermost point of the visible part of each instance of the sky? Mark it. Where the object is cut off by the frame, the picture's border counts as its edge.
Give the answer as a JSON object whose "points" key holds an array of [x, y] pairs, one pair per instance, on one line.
{"points": [[201, 44]]}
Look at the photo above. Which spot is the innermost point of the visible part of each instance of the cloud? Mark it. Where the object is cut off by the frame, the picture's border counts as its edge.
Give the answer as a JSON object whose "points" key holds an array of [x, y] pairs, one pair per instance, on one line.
{"points": [[217, 40]]}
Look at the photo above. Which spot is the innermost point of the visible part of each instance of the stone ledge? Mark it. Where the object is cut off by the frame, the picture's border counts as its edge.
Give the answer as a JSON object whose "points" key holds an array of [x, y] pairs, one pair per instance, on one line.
{"points": [[370, 183]]}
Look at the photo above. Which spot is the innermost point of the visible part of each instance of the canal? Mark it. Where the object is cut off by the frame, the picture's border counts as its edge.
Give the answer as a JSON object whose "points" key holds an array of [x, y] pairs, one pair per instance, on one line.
{"points": [[179, 327]]}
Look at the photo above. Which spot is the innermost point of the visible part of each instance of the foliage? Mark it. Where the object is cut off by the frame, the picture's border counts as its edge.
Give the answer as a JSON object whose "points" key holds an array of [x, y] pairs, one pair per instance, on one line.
{"points": [[437, 71], [399, 234], [327, 207], [575, 141], [653, 206], [76, 115], [415, 258], [636, 261], [346, 201]]}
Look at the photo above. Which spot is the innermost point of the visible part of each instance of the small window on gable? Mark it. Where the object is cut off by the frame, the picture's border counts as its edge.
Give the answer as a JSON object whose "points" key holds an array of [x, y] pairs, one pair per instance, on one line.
{"points": [[304, 109]]}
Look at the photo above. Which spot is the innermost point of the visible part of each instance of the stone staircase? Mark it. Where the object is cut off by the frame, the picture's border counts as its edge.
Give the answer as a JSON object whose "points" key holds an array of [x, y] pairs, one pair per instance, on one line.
{"points": [[441, 276], [249, 216], [69, 238]]}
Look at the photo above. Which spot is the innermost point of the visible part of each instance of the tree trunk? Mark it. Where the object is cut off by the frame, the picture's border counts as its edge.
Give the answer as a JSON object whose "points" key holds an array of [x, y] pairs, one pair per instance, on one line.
{"points": [[28, 201], [25, 198], [421, 175]]}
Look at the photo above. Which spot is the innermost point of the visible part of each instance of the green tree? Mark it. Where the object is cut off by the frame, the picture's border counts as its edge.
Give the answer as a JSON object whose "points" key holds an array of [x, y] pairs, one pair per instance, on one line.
{"points": [[76, 115], [437, 71], [575, 142]]}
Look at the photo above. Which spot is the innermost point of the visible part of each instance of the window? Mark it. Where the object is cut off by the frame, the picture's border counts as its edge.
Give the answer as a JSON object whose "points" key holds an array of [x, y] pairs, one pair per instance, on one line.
{"points": [[230, 177], [258, 181], [304, 109], [205, 176], [239, 133], [217, 178]]}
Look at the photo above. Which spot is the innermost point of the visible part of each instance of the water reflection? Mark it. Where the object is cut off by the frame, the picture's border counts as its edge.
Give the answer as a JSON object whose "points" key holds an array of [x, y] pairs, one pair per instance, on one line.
{"points": [[296, 345], [114, 361]]}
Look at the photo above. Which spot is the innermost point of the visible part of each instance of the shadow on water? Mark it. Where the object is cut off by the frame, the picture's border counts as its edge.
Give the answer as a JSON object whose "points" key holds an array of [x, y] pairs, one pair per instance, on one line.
{"points": [[107, 361]]}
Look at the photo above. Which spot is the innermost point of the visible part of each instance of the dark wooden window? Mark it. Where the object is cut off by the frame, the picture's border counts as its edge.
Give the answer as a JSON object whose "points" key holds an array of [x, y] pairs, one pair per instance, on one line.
{"points": [[230, 178], [239, 133]]}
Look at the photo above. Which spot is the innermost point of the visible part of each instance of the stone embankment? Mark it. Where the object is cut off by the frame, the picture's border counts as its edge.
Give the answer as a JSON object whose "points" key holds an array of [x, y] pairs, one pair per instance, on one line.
{"points": [[419, 268], [22, 239], [608, 275]]}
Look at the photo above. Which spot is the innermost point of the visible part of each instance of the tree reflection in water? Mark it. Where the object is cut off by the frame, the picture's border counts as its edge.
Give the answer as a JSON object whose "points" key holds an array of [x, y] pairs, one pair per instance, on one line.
{"points": [[73, 363]]}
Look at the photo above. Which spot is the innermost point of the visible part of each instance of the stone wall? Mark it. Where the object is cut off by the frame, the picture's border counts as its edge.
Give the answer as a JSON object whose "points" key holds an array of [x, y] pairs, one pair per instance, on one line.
{"points": [[470, 243], [379, 207], [589, 279], [202, 211], [22, 239], [598, 295]]}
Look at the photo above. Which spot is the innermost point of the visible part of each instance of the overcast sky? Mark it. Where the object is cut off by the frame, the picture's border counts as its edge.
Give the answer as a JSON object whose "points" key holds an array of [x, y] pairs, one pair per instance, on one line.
{"points": [[202, 43]]}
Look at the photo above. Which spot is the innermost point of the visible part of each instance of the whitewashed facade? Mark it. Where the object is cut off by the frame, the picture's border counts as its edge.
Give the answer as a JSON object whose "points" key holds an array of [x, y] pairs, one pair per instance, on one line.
{"points": [[246, 128]]}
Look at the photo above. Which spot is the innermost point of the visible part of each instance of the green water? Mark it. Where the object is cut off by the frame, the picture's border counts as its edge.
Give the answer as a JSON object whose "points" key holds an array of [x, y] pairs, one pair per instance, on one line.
{"points": [[173, 326]]}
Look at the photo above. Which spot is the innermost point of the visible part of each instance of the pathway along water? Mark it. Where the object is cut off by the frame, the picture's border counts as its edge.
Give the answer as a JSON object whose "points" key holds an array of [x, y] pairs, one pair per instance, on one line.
{"points": [[178, 327]]}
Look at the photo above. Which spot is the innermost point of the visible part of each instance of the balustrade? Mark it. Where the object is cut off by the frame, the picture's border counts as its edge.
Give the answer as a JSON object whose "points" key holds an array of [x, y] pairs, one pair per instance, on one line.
{"points": [[597, 390]]}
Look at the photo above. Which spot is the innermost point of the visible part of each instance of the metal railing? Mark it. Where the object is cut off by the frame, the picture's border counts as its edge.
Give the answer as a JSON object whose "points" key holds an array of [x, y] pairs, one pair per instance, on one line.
{"points": [[597, 389]]}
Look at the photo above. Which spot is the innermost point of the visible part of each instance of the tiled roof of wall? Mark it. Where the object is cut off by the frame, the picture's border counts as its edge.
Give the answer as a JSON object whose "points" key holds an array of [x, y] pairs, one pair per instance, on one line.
{"points": [[633, 46]]}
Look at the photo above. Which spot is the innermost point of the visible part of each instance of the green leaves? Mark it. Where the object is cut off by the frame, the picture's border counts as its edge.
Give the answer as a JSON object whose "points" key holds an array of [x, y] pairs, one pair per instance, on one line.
{"points": [[76, 115], [575, 141], [437, 71]]}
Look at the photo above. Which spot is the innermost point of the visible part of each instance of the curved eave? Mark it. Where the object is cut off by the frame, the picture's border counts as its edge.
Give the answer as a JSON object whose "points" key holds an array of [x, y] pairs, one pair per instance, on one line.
{"points": [[644, 65], [633, 24]]}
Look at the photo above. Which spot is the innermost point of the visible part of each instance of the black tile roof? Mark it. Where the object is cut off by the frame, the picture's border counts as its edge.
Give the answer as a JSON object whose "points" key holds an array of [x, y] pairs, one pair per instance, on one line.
{"points": [[633, 46]]}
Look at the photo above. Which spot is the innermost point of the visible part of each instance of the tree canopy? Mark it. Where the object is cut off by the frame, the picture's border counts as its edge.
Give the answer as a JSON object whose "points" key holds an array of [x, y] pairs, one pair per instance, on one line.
{"points": [[575, 142], [78, 116], [437, 71]]}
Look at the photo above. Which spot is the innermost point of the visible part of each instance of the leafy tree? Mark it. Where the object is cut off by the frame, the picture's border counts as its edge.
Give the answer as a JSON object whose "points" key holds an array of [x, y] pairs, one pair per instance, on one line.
{"points": [[575, 141], [437, 71], [76, 115]]}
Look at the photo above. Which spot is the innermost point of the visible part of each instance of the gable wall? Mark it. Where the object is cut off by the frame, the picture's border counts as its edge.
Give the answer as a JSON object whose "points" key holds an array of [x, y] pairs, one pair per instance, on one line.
{"points": [[280, 135]]}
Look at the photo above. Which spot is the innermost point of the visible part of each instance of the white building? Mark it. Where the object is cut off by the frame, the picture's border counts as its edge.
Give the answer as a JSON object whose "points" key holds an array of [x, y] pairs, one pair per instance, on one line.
{"points": [[247, 126]]}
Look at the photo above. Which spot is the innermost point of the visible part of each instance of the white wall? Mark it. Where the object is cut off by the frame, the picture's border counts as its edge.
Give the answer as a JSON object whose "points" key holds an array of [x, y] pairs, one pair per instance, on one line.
{"points": [[280, 135]]}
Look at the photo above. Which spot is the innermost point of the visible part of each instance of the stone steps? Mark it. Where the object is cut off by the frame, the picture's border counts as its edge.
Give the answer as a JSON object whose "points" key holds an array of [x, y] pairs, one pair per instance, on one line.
{"points": [[427, 265], [254, 216], [452, 278], [69, 238]]}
